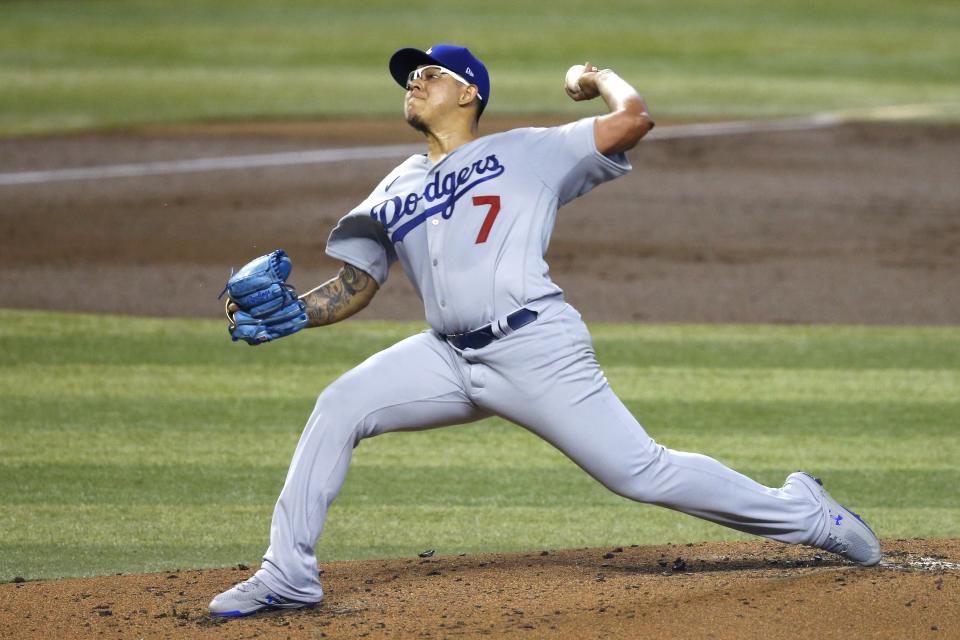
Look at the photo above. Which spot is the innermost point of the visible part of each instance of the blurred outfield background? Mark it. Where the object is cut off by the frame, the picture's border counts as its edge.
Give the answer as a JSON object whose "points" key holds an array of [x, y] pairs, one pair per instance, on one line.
{"points": [[73, 65]]}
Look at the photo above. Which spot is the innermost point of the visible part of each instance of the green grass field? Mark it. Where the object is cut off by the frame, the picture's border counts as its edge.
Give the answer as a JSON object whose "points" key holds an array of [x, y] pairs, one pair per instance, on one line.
{"points": [[74, 65], [133, 444]]}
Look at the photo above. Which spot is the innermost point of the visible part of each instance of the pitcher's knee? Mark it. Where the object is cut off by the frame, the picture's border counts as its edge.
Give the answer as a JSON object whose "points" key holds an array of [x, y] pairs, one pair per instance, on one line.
{"points": [[339, 412], [640, 480], [634, 487]]}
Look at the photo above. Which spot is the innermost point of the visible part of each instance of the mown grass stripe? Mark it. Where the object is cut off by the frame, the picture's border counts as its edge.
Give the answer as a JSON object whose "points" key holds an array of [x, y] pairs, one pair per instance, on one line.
{"points": [[893, 386], [77, 484], [479, 446], [36, 338], [160, 524], [167, 418]]}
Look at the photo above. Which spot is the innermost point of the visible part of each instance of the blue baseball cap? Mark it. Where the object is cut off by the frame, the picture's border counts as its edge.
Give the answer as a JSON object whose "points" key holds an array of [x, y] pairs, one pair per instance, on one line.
{"points": [[458, 59]]}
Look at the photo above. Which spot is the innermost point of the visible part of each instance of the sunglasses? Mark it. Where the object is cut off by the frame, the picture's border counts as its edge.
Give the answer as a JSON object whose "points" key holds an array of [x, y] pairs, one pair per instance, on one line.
{"points": [[434, 72]]}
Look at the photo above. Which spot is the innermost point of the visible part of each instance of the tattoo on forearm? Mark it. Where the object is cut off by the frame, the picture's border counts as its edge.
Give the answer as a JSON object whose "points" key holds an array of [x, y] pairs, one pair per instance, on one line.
{"points": [[354, 280], [322, 303], [340, 297]]}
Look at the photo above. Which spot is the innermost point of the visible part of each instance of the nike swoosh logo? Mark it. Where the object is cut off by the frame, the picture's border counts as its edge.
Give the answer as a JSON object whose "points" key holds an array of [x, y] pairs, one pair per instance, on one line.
{"points": [[391, 184]]}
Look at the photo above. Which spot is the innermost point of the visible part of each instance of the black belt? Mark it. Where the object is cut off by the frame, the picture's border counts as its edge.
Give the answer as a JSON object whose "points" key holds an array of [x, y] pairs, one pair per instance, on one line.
{"points": [[479, 338]]}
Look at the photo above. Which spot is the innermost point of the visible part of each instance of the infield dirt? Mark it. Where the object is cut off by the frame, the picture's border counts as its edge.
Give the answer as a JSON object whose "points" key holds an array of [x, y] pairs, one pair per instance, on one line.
{"points": [[853, 224]]}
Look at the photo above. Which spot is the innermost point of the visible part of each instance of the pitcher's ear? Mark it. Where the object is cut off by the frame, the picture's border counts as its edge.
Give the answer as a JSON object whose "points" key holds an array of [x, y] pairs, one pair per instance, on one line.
{"points": [[467, 95]]}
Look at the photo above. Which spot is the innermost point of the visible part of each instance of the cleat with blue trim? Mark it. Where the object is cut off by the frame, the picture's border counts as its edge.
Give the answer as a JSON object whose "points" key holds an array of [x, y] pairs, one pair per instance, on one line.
{"points": [[844, 533], [250, 597]]}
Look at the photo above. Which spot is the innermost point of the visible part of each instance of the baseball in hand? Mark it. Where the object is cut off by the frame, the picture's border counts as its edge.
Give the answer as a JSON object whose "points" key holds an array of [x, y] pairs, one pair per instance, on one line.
{"points": [[573, 78]]}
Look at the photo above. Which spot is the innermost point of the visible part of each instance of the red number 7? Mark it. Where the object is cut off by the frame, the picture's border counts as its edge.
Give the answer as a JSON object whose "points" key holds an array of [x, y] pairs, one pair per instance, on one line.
{"points": [[494, 203]]}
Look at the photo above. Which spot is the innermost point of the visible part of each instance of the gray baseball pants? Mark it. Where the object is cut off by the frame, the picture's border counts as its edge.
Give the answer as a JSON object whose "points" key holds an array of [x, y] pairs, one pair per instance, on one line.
{"points": [[543, 377]]}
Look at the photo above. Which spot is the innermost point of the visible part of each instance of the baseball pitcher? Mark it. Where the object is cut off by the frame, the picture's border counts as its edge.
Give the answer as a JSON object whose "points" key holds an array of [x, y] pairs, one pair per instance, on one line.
{"points": [[469, 222]]}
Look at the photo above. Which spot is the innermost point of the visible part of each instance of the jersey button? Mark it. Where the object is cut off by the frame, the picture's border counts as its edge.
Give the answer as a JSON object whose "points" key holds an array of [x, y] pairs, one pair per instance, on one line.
{"points": [[434, 222], [435, 261], [443, 303]]}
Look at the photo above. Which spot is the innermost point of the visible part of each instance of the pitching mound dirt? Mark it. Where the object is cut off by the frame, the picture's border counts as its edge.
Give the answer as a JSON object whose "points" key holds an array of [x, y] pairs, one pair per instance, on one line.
{"points": [[709, 590]]}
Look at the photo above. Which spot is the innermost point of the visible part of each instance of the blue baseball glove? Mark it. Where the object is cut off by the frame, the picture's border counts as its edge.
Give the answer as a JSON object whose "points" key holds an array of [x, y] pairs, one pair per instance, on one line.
{"points": [[268, 306]]}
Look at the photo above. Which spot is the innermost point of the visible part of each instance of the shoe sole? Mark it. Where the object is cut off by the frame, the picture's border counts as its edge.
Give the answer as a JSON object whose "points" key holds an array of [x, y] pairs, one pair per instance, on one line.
{"points": [[263, 609]]}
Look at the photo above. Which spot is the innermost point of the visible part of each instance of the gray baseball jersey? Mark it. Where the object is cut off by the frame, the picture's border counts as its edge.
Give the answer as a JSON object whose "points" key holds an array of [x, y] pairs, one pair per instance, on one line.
{"points": [[471, 231]]}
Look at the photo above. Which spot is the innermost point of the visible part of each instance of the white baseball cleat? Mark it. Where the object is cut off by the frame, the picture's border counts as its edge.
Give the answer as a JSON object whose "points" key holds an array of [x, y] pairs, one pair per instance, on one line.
{"points": [[846, 534], [249, 597]]}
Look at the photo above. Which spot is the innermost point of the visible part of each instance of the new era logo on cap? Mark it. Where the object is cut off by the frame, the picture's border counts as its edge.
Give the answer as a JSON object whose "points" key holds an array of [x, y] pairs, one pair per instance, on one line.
{"points": [[456, 58]]}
